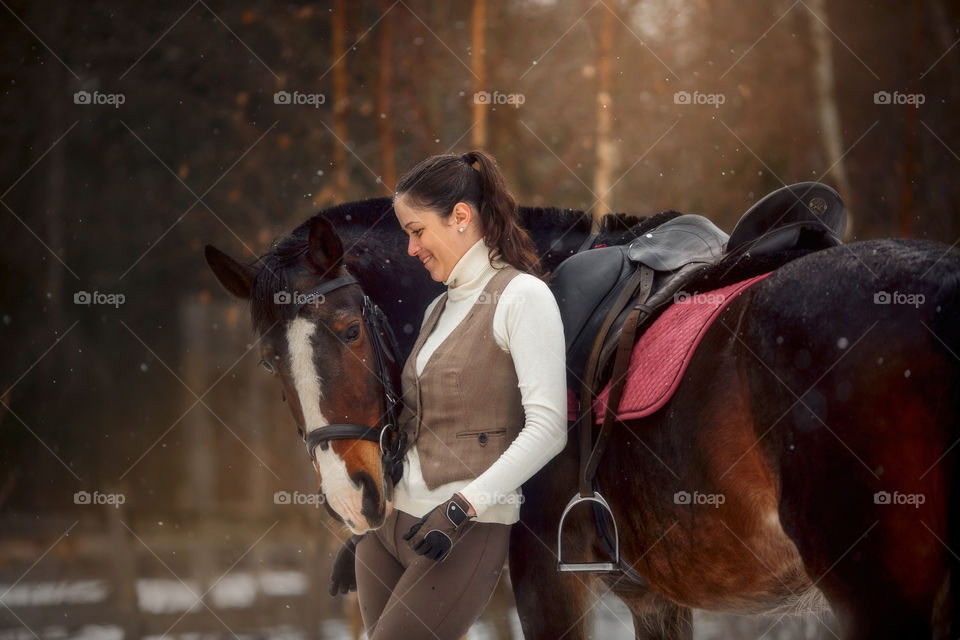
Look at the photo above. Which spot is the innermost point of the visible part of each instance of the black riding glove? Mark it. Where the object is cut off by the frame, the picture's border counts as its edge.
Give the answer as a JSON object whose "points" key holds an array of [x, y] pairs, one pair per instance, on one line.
{"points": [[343, 576], [436, 532]]}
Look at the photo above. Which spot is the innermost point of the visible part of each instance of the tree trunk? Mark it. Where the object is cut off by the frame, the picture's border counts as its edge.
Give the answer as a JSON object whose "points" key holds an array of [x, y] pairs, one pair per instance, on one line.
{"points": [[53, 190], [910, 135], [340, 179], [606, 152], [478, 135], [199, 493], [384, 119], [828, 113]]}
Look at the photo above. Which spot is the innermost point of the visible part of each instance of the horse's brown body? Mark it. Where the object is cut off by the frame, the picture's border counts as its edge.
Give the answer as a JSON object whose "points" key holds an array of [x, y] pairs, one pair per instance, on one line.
{"points": [[797, 427]]}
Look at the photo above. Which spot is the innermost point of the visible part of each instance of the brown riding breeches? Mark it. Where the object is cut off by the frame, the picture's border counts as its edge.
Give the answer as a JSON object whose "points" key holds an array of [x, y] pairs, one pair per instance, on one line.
{"points": [[404, 595]]}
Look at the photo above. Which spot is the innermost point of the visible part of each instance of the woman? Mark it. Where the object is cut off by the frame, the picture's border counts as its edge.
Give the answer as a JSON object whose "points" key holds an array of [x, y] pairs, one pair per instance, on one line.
{"points": [[485, 396]]}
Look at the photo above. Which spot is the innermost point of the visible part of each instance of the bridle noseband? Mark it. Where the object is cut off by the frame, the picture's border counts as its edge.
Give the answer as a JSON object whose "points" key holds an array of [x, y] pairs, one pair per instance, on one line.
{"points": [[385, 351]]}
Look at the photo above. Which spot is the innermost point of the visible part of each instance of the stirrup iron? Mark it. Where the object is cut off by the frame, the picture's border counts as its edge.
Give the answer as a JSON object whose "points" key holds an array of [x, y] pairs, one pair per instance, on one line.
{"points": [[588, 567]]}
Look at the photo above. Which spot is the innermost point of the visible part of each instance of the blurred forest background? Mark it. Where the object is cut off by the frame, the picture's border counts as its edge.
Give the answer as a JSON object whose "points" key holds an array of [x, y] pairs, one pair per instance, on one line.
{"points": [[133, 134]]}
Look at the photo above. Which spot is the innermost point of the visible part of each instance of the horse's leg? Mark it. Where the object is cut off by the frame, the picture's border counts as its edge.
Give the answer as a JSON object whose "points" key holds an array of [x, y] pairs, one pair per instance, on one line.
{"points": [[552, 604], [672, 623], [656, 618]]}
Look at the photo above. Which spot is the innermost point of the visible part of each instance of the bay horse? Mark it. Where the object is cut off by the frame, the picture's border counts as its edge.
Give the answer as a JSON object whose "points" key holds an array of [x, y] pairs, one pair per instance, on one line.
{"points": [[822, 405]]}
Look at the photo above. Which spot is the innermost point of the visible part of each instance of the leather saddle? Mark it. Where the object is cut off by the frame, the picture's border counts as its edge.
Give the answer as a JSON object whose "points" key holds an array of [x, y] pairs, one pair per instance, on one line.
{"points": [[607, 296], [587, 285]]}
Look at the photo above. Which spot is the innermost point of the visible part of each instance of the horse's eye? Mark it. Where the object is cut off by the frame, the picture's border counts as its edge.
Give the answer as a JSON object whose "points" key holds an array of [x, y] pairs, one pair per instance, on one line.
{"points": [[352, 333], [266, 364]]}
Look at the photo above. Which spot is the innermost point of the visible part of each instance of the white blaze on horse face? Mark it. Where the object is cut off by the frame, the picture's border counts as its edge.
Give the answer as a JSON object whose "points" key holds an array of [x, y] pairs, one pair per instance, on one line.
{"points": [[344, 496], [304, 373]]}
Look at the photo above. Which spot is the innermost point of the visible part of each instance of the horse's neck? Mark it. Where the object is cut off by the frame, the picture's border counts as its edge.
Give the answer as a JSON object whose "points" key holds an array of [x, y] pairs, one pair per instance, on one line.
{"points": [[556, 234], [404, 293]]}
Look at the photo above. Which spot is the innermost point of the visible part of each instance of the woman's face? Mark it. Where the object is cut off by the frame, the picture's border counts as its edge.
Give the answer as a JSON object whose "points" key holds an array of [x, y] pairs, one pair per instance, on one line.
{"points": [[437, 242]]}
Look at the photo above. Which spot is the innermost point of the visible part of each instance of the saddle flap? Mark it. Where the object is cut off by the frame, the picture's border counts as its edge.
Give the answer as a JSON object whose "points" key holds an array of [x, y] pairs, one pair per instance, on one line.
{"points": [[582, 282], [683, 240]]}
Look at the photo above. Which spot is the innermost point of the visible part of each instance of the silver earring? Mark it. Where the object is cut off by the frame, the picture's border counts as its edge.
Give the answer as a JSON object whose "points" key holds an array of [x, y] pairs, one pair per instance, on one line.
{"points": [[461, 229]]}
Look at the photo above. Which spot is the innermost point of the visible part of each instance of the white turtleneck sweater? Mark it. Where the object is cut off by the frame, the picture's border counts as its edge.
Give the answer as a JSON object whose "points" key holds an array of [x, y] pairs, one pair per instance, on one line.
{"points": [[526, 324]]}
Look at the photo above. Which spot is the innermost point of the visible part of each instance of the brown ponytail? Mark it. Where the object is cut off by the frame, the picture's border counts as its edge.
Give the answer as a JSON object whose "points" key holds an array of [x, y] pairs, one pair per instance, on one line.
{"points": [[440, 182]]}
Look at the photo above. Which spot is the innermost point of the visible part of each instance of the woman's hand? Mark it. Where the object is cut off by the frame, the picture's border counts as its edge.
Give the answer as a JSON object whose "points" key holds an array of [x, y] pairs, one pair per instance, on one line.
{"points": [[437, 531]]}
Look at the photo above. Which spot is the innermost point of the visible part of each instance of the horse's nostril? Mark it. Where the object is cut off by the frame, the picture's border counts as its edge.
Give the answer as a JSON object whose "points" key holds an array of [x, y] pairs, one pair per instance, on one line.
{"points": [[363, 482]]}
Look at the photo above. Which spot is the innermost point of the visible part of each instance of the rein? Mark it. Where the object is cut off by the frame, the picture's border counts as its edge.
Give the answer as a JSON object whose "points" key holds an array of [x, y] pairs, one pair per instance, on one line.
{"points": [[386, 352]]}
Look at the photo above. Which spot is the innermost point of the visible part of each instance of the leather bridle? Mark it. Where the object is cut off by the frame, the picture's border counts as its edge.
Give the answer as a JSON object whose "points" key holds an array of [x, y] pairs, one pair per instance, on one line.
{"points": [[386, 352]]}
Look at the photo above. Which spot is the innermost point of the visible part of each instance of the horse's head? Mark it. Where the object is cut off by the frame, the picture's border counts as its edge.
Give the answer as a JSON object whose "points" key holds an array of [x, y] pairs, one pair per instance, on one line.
{"points": [[315, 342]]}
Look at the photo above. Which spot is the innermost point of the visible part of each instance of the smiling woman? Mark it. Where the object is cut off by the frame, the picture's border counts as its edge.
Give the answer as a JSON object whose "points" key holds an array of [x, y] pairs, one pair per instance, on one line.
{"points": [[484, 404]]}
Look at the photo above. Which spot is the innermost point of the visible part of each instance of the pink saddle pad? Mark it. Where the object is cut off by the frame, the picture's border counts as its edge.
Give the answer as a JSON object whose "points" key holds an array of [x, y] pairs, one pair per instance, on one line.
{"points": [[664, 351]]}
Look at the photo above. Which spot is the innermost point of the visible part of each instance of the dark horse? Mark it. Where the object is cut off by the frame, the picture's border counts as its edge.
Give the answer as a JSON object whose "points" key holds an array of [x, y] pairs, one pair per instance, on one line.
{"points": [[822, 405]]}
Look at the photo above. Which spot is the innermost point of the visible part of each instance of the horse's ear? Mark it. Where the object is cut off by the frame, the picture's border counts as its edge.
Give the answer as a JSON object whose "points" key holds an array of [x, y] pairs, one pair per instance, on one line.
{"points": [[324, 247], [235, 277]]}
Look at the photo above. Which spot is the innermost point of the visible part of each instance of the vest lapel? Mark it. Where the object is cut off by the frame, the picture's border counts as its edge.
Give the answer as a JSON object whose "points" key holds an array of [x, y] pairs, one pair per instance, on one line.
{"points": [[410, 367], [426, 331]]}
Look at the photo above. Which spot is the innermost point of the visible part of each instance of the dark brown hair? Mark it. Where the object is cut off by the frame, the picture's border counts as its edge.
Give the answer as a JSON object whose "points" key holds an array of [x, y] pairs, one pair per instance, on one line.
{"points": [[440, 182]]}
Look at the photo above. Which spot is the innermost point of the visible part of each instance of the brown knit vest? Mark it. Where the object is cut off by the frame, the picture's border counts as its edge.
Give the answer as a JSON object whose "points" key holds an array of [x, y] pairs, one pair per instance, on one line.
{"points": [[467, 398]]}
